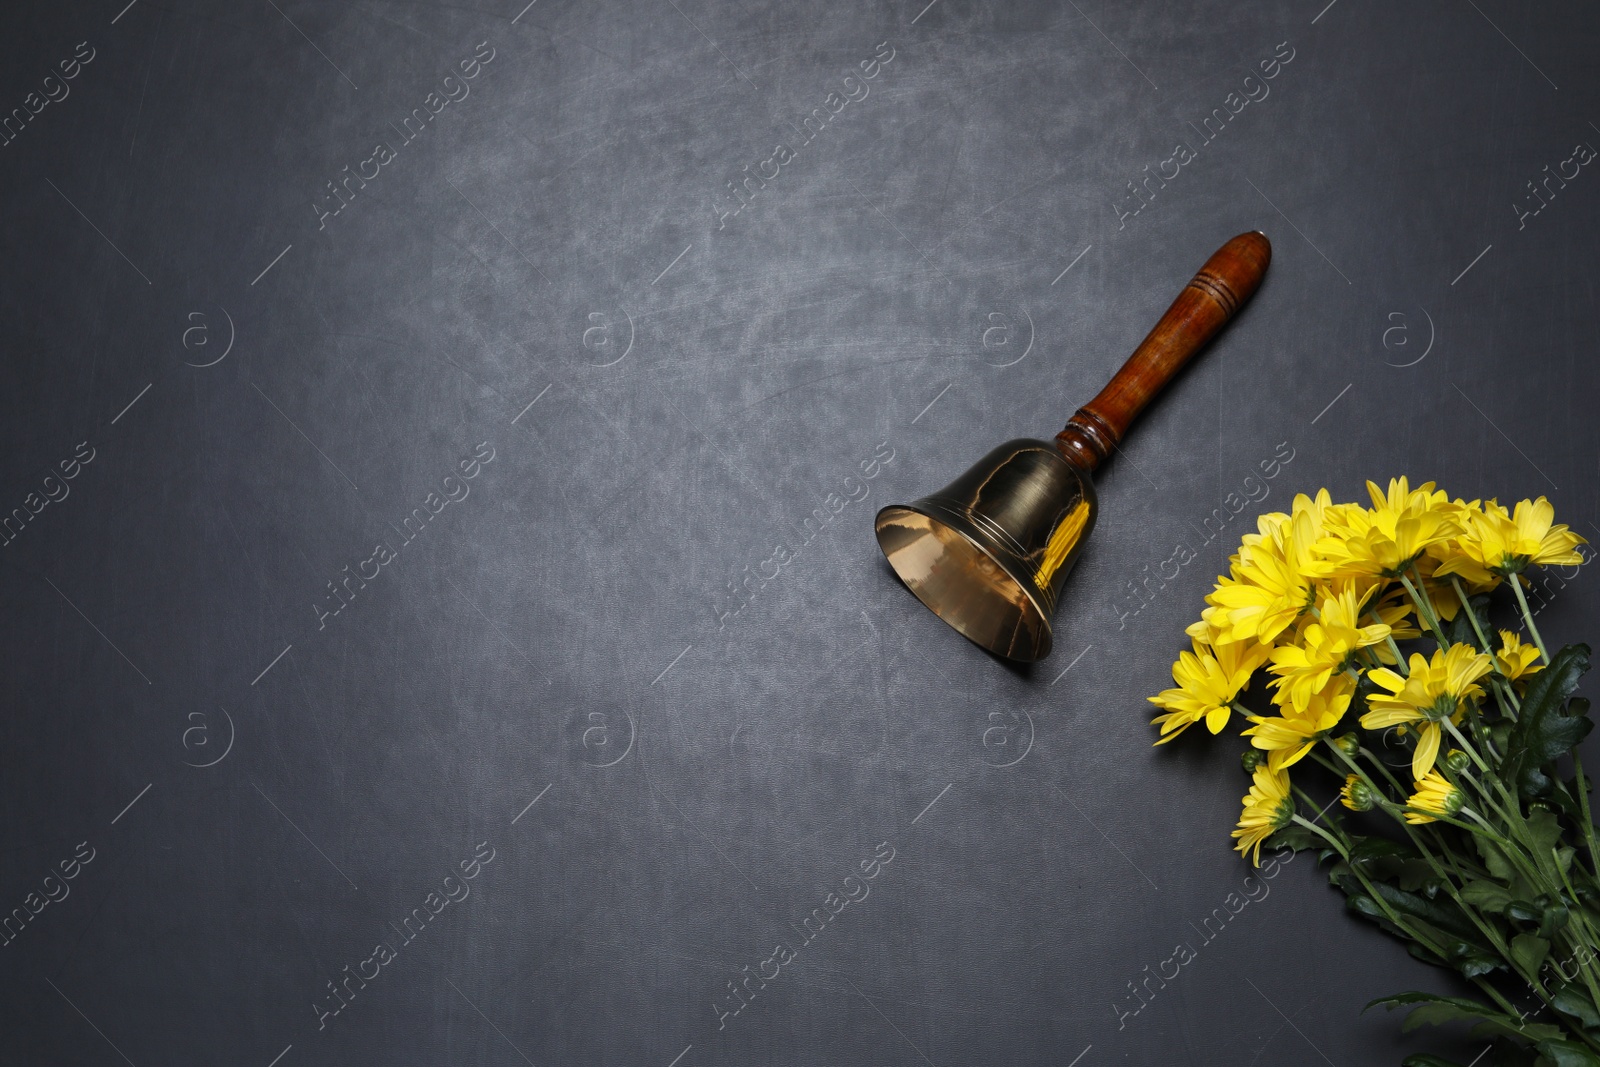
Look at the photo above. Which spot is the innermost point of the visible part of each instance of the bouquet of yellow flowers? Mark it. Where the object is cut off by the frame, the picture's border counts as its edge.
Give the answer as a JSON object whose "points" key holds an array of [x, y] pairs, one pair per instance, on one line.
{"points": [[1489, 866]]}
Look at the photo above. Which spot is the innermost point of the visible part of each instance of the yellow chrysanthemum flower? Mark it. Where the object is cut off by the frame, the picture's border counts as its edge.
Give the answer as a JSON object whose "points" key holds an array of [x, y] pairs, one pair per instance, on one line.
{"points": [[1268, 524], [1387, 538], [1208, 679], [1494, 542], [1356, 794], [1203, 632], [1289, 737], [1515, 659], [1460, 552], [1267, 809], [1434, 793], [1433, 692], [1401, 498], [1272, 582], [1438, 587], [1395, 610], [1325, 646]]}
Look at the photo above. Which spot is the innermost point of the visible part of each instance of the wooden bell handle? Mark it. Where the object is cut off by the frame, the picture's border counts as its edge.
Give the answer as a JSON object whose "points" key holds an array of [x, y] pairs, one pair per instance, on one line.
{"points": [[1228, 279]]}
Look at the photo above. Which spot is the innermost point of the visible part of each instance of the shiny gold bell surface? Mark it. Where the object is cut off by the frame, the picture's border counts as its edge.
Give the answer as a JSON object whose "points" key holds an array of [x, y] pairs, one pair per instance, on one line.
{"points": [[989, 552]]}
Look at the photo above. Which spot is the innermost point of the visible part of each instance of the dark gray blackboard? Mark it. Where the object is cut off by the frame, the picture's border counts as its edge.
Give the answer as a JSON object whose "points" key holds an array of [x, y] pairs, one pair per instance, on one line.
{"points": [[591, 666]]}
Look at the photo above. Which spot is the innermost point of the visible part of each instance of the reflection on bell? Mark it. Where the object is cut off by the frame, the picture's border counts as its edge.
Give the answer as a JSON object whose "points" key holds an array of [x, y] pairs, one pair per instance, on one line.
{"points": [[990, 551]]}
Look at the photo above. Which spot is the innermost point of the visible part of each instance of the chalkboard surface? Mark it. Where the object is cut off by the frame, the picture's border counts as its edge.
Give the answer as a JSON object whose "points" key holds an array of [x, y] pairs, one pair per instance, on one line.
{"points": [[442, 622]]}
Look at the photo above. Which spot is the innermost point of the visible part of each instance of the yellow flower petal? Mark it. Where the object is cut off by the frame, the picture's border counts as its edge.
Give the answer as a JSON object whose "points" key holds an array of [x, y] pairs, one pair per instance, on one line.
{"points": [[1427, 750]]}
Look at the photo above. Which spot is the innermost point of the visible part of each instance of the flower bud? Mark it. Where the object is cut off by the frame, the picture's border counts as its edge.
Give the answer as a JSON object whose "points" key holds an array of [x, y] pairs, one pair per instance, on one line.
{"points": [[1356, 795], [1457, 761], [1349, 744], [1250, 759]]}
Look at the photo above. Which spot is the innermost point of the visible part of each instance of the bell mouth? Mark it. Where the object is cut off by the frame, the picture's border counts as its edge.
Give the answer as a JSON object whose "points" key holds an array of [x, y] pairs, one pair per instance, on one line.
{"points": [[963, 583]]}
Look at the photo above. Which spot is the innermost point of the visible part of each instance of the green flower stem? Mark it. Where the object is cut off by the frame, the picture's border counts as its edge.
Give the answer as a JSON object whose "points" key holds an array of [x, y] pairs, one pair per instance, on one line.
{"points": [[1545, 874], [1416, 830], [1383, 768], [1400, 663], [1503, 809], [1510, 703], [1354, 768], [1480, 731], [1483, 766], [1394, 917], [1581, 1033], [1582, 786], [1516, 851], [1425, 607], [1509, 1009], [1465, 870], [1482, 829], [1502, 684], [1313, 805], [1527, 615], [1580, 917], [1466, 746], [1341, 849], [1380, 798], [1415, 834], [1327, 763], [1499, 801], [1483, 642]]}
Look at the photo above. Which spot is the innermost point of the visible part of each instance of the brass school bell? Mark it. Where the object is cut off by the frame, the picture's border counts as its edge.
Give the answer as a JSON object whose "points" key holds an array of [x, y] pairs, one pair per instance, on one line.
{"points": [[989, 552]]}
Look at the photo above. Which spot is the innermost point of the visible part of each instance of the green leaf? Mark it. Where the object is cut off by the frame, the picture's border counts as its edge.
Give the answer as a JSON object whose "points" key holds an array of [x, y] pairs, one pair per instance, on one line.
{"points": [[1397, 1000], [1553, 919], [1574, 1000], [1417, 951], [1415, 876], [1486, 896], [1566, 797], [1543, 829], [1369, 909], [1507, 1053], [1524, 911], [1443, 914], [1549, 687], [1494, 859], [1564, 856], [1434, 1010], [1386, 860], [1294, 836], [1567, 1053], [1373, 848], [1423, 1059], [1544, 730], [1459, 629], [1339, 874], [1440, 922], [1528, 951], [1474, 962]]}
